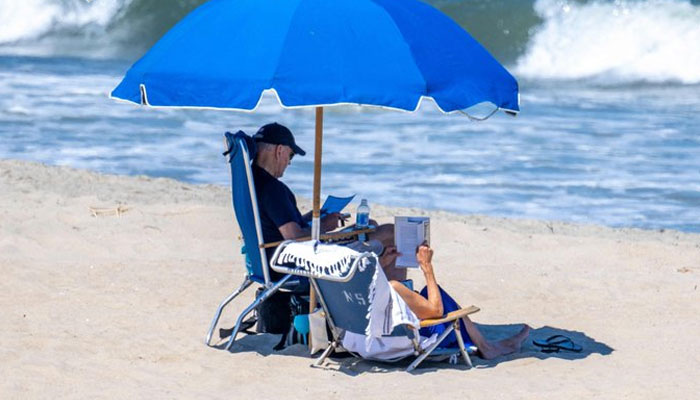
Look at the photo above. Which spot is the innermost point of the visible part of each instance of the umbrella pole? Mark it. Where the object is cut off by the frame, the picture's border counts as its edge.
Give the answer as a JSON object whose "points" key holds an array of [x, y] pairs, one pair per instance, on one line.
{"points": [[316, 214]]}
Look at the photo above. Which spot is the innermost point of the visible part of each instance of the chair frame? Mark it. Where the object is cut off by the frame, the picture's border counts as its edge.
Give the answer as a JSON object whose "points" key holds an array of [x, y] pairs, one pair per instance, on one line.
{"points": [[269, 286], [337, 333]]}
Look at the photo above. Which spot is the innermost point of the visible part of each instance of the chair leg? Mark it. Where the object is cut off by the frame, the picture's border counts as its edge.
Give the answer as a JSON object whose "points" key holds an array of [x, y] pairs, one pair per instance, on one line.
{"points": [[460, 341], [430, 349], [326, 353], [263, 296], [247, 282]]}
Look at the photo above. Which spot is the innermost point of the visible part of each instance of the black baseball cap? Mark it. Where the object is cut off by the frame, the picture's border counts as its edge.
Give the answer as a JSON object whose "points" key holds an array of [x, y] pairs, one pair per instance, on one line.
{"points": [[275, 133]]}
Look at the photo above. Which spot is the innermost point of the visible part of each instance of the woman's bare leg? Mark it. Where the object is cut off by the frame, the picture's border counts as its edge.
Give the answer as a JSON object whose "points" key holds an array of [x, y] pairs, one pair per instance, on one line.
{"points": [[488, 350]]}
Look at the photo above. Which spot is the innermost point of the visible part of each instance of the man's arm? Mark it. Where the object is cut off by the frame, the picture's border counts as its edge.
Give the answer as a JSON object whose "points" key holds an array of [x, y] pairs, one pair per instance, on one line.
{"points": [[292, 230]]}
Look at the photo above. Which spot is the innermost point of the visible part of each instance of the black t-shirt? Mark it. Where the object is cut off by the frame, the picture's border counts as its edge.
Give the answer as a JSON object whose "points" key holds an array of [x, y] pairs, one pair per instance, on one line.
{"points": [[277, 206]]}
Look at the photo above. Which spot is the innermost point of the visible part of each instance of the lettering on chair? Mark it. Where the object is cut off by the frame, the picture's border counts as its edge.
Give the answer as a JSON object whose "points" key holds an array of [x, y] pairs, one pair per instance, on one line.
{"points": [[354, 298]]}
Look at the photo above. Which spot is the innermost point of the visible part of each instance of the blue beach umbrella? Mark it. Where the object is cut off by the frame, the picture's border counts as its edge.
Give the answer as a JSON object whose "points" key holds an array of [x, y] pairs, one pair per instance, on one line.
{"points": [[315, 53]]}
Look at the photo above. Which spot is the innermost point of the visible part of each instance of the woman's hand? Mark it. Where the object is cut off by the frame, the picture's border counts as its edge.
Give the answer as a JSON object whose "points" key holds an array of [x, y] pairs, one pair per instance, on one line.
{"points": [[424, 254], [434, 307]]}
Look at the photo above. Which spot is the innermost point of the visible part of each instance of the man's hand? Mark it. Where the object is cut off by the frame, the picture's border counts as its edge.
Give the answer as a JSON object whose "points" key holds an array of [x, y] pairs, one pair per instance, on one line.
{"points": [[330, 222], [389, 255]]}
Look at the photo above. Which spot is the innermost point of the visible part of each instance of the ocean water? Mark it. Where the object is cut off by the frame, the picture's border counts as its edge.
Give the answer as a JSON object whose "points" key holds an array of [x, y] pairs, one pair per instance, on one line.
{"points": [[609, 131]]}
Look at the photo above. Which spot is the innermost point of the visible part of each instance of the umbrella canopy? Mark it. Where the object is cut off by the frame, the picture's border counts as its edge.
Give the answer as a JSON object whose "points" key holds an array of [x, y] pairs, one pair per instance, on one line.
{"points": [[389, 53]]}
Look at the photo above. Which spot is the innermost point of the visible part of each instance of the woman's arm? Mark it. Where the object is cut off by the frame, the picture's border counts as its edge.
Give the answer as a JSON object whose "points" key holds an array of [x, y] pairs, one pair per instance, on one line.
{"points": [[422, 307]]}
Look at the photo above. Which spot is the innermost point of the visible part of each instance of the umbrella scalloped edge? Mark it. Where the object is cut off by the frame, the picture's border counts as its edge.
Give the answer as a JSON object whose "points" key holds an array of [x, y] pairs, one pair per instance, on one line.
{"points": [[272, 91]]}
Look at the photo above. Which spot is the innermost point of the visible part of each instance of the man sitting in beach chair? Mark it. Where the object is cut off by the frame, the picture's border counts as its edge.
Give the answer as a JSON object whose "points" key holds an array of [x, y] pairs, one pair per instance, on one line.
{"points": [[279, 216], [261, 229], [240, 148]]}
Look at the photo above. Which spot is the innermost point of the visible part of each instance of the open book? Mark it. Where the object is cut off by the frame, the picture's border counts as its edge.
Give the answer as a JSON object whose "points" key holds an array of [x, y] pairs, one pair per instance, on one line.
{"points": [[409, 232]]}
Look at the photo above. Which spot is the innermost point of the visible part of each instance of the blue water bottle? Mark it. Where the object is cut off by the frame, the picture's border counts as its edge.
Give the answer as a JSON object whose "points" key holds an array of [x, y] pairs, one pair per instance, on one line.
{"points": [[362, 221]]}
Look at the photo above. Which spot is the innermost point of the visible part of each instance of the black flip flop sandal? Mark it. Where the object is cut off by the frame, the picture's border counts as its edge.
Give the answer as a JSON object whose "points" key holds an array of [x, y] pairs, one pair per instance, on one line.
{"points": [[554, 344]]}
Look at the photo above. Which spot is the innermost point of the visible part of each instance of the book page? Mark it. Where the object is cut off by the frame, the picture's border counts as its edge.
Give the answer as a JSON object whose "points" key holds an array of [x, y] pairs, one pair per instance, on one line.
{"points": [[409, 232], [334, 204]]}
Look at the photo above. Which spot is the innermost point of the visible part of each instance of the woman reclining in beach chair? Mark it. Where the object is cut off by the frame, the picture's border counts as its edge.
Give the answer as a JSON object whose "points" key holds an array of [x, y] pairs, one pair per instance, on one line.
{"points": [[380, 319], [434, 303]]}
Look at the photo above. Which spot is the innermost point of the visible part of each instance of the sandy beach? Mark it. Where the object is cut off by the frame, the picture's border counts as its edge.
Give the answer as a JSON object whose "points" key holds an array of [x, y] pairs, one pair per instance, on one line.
{"points": [[114, 304]]}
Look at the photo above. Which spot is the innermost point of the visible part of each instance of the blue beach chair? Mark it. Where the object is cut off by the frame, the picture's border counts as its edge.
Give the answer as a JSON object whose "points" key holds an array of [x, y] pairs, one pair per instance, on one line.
{"points": [[346, 302], [240, 152]]}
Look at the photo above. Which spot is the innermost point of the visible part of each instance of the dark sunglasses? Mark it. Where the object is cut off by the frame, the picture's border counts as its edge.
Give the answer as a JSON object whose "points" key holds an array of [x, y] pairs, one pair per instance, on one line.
{"points": [[291, 154]]}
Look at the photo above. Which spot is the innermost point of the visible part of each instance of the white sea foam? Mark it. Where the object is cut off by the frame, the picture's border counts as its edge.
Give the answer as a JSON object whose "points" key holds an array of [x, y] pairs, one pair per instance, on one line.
{"points": [[560, 159], [616, 42], [29, 19], [70, 26]]}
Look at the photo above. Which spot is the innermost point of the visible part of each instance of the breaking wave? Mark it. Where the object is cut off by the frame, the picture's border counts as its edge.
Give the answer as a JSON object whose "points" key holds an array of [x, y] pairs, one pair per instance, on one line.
{"points": [[87, 28], [615, 42], [604, 40]]}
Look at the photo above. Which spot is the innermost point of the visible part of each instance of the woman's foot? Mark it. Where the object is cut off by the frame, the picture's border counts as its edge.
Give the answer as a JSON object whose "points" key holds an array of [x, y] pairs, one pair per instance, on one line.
{"points": [[505, 346], [516, 341]]}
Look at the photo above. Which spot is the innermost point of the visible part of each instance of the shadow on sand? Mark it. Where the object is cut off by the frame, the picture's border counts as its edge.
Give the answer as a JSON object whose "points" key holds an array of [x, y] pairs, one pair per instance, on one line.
{"points": [[529, 350], [263, 344]]}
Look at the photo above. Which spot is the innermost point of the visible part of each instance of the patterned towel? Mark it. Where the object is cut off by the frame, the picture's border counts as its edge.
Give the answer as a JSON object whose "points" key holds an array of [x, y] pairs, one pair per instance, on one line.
{"points": [[321, 260]]}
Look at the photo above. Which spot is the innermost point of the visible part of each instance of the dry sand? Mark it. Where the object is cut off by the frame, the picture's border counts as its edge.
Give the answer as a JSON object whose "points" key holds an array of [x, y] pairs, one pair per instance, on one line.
{"points": [[118, 306]]}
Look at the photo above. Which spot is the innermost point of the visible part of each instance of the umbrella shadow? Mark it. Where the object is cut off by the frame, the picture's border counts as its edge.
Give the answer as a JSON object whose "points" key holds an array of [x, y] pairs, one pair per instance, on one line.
{"points": [[355, 366], [343, 362], [528, 350], [263, 344]]}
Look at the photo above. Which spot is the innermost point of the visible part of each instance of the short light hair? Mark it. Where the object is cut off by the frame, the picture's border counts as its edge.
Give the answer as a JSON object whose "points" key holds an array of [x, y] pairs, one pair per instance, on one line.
{"points": [[263, 146]]}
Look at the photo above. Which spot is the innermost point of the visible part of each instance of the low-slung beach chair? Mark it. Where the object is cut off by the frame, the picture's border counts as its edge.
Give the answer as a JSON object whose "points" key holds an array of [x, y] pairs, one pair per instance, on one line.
{"points": [[345, 297], [240, 150]]}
